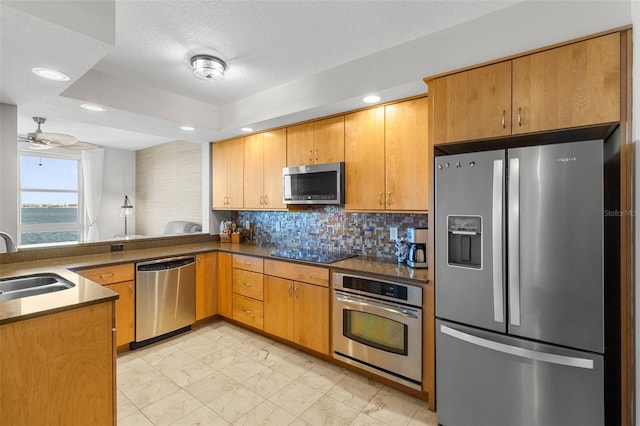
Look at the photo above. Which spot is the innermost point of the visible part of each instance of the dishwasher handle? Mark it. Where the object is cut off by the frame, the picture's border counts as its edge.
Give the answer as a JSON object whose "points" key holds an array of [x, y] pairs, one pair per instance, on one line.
{"points": [[164, 264]]}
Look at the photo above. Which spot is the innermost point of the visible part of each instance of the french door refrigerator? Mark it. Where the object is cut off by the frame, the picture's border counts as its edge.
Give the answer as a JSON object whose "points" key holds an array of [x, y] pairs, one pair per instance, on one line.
{"points": [[519, 286]]}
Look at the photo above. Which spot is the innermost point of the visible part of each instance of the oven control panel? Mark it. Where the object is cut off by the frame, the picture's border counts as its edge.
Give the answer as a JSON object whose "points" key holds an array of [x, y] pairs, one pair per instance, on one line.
{"points": [[375, 287], [386, 290]]}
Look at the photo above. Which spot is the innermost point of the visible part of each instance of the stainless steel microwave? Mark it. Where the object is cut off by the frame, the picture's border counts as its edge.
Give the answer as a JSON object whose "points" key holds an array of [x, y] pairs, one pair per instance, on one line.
{"points": [[314, 184]]}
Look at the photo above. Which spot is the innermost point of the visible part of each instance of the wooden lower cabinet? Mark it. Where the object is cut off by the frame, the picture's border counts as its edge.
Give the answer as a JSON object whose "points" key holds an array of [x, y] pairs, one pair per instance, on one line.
{"points": [[206, 285], [295, 310], [125, 311], [248, 311], [225, 285], [121, 279], [59, 368]]}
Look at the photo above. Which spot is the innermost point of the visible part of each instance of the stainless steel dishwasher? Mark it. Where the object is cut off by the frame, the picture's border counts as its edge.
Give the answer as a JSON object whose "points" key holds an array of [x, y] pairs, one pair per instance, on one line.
{"points": [[165, 298]]}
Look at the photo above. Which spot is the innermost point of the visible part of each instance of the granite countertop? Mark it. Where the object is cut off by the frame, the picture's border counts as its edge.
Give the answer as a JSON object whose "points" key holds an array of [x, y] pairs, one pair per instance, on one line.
{"points": [[87, 292]]}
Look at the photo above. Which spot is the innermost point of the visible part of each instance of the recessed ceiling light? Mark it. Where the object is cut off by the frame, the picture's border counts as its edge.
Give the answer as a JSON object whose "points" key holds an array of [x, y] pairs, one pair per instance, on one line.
{"points": [[187, 128], [50, 74], [371, 99], [92, 107], [247, 129]]}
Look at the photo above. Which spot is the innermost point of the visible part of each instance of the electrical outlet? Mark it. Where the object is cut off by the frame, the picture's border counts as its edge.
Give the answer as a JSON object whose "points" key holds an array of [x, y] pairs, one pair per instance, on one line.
{"points": [[247, 225], [117, 247], [393, 233], [278, 226]]}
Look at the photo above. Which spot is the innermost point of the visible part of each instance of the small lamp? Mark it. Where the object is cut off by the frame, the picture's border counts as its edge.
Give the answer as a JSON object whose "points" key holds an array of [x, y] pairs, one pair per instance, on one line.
{"points": [[126, 210]]}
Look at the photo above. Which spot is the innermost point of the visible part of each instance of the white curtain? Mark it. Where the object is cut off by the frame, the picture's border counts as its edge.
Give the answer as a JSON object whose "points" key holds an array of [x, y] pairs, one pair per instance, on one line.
{"points": [[92, 167]]}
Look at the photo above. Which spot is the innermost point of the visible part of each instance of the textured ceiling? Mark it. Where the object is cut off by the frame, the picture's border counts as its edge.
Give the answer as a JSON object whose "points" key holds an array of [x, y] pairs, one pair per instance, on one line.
{"points": [[288, 60]]}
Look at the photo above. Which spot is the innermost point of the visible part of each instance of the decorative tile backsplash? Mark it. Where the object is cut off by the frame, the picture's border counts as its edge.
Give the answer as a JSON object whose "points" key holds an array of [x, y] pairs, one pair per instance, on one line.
{"points": [[330, 228]]}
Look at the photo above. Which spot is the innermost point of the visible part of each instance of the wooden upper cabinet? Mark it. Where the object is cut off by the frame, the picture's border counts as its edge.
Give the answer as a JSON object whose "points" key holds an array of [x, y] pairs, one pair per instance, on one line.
{"points": [[569, 86], [227, 174], [300, 144], [406, 178], [474, 104], [317, 142], [364, 160], [328, 140], [275, 159], [253, 172]]}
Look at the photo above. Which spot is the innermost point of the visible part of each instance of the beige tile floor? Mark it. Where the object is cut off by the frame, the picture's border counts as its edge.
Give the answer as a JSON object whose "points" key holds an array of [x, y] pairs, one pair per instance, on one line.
{"points": [[221, 374]]}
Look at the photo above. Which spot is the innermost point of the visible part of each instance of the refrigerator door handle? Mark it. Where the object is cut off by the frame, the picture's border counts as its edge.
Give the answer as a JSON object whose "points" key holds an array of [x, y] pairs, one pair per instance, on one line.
{"points": [[514, 241], [496, 240], [519, 352]]}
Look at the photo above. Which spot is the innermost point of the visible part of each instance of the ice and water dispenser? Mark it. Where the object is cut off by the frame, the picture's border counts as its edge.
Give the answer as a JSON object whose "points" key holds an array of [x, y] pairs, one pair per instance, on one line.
{"points": [[465, 241]]}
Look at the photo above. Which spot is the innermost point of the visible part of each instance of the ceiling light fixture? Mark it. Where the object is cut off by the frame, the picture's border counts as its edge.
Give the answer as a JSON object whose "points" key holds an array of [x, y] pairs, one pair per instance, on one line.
{"points": [[371, 99], [187, 128], [50, 74], [247, 129], [208, 67], [92, 107]]}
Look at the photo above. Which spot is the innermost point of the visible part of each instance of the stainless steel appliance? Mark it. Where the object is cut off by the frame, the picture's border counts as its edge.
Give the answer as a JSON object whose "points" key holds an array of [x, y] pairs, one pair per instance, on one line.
{"points": [[313, 184], [417, 239], [165, 298], [520, 286], [377, 326]]}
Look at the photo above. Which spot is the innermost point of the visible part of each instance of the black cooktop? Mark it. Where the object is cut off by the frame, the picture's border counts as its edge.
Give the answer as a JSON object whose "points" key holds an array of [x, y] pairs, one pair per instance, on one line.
{"points": [[308, 255]]}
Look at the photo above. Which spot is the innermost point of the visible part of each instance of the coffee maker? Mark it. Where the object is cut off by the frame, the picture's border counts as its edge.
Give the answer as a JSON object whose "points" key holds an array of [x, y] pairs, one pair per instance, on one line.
{"points": [[417, 239]]}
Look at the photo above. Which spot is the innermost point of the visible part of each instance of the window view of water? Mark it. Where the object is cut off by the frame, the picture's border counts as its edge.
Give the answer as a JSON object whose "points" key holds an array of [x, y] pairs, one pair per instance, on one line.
{"points": [[37, 215]]}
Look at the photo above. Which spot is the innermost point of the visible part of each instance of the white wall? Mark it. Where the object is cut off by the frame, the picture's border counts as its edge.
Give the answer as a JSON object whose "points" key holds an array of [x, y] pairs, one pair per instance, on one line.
{"points": [[119, 180], [9, 167]]}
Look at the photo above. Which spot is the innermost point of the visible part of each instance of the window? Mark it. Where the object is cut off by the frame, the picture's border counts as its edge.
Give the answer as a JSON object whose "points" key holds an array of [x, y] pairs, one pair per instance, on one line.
{"points": [[50, 199]]}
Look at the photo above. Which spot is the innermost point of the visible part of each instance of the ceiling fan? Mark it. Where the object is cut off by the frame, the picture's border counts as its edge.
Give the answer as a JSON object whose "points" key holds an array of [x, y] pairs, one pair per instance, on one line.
{"points": [[41, 140]]}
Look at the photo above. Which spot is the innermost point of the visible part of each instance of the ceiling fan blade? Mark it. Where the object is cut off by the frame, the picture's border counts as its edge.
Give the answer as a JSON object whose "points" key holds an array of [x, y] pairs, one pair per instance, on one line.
{"points": [[80, 145], [56, 139], [39, 146]]}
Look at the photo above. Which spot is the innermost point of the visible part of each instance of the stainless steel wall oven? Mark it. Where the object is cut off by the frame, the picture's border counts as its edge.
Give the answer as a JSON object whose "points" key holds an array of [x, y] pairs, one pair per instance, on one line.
{"points": [[377, 326]]}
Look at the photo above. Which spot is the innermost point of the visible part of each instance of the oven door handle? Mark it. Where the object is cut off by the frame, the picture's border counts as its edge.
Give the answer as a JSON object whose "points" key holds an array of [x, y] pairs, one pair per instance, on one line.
{"points": [[401, 312]]}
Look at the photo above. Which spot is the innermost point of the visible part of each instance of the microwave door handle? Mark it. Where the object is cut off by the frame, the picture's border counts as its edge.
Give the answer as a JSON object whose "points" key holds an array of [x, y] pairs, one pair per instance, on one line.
{"points": [[401, 312], [496, 241]]}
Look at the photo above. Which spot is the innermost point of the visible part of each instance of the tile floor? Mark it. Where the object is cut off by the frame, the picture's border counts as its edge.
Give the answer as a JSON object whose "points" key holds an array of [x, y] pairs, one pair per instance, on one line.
{"points": [[221, 374]]}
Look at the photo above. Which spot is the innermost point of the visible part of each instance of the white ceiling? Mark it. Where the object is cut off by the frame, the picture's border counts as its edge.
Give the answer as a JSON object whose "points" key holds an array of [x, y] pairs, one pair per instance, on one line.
{"points": [[288, 60]]}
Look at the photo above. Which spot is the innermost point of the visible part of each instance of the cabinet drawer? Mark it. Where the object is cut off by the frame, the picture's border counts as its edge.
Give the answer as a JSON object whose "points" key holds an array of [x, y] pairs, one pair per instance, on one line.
{"points": [[248, 311], [109, 274], [248, 284], [294, 271], [248, 263]]}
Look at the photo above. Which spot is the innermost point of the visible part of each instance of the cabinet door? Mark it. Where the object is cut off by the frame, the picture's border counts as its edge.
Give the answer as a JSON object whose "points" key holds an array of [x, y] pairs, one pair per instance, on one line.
{"points": [[225, 285], [328, 140], [570, 86], [219, 175], [300, 145], [275, 159], [253, 172], [311, 316], [278, 307], [406, 155], [474, 104], [206, 285], [364, 158], [125, 311], [235, 172]]}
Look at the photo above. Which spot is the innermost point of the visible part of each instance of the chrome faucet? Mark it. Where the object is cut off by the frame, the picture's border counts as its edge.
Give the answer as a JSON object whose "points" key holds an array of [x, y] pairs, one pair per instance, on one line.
{"points": [[8, 242]]}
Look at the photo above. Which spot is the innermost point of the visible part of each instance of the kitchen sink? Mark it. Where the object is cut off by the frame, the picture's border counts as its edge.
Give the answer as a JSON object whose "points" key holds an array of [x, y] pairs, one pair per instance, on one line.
{"points": [[31, 285]]}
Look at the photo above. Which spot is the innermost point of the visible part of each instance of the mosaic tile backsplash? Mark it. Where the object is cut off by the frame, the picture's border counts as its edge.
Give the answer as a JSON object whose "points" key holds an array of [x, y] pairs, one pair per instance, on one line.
{"points": [[331, 228]]}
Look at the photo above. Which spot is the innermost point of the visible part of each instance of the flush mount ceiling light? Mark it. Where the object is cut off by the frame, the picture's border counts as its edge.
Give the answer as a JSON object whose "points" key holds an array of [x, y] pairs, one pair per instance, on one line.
{"points": [[50, 74], [92, 107], [371, 99], [208, 67], [247, 129]]}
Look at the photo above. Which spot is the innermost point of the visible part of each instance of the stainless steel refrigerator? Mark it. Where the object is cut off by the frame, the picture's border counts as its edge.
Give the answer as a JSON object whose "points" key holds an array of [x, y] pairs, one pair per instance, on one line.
{"points": [[519, 286]]}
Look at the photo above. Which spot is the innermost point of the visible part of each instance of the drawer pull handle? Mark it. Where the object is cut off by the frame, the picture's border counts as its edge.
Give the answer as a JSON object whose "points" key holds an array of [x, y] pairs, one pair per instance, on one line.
{"points": [[110, 274], [247, 284], [248, 312]]}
